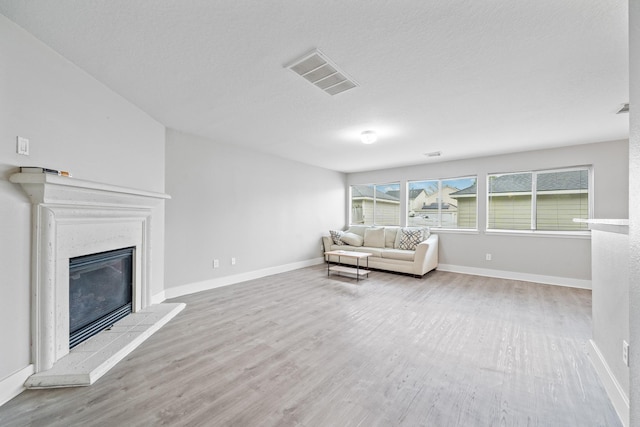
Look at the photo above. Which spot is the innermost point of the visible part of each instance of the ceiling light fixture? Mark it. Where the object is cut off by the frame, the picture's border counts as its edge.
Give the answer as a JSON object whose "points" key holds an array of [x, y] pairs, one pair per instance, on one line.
{"points": [[368, 137]]}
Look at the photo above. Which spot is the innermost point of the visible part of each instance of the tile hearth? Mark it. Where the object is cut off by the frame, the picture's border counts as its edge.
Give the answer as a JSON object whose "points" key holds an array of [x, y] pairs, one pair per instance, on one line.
{"points": [[87, 362]]}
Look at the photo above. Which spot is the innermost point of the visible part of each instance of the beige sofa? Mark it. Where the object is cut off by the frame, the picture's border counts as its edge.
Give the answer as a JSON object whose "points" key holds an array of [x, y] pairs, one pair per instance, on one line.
{"points": [[390, 247]]}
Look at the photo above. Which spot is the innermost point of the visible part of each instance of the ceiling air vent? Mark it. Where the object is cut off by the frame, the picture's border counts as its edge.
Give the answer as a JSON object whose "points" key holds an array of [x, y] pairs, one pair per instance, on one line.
{"points": [[322, 73], [433, 154], [623, 109]]}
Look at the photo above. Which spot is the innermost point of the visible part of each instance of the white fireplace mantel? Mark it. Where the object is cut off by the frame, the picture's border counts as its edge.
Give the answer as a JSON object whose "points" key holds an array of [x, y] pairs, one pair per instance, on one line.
{"points": [[72, 218], [50, 188]]}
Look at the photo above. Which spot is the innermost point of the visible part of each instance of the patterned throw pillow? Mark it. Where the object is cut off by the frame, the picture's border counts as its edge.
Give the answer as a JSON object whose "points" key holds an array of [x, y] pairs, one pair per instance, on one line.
{"points": [[335, 236], [410, 239]]}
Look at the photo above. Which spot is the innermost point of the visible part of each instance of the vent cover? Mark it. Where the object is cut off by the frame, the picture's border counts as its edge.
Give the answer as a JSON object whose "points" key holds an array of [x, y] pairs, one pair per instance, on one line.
{"points": [[623, 109], [318, 70], [434, 154]]}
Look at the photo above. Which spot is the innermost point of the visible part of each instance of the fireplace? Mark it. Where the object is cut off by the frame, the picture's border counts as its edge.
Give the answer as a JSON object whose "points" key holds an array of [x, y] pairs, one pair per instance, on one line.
{"points": [[99, 292], [71, 219]]}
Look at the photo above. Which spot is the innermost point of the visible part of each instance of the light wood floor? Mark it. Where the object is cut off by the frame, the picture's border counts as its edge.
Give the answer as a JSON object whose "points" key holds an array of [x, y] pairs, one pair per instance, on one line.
{"points": [[302, 349]]}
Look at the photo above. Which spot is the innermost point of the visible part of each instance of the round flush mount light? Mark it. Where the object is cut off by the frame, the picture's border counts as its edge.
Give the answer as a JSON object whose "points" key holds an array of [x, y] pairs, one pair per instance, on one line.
{"points": [[368, 137]]}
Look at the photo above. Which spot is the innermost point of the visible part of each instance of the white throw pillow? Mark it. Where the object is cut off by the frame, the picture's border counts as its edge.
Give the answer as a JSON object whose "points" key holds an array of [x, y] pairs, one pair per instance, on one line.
{"points": [[352, 239], [390, 235], [374, 237], [358, 229]]}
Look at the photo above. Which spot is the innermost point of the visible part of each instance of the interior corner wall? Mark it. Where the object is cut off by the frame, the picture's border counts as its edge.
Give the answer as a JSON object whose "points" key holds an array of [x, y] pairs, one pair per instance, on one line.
{"points": [[232, 202], [549, 259], [73, 123]]}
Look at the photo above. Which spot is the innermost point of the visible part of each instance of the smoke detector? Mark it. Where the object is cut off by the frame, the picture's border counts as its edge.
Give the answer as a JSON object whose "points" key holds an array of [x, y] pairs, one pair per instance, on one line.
{"points": [[320, 71]]}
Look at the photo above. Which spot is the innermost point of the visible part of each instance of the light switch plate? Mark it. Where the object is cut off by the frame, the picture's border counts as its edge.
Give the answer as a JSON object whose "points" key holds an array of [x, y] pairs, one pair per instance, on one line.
{"points": [[22, 146]]}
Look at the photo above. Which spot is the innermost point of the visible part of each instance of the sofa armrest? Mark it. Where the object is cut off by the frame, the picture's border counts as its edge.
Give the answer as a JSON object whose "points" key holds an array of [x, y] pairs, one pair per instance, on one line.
{"points": [[327, 242], [426, 258]]}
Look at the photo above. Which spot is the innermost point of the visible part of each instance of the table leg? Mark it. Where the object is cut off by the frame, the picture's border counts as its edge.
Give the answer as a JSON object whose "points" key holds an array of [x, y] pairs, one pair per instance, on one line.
{"points": [[328, 264]]}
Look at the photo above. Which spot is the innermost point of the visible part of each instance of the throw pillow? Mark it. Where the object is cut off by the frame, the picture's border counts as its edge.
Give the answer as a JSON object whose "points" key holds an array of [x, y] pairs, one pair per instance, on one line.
{"points": [[399, 237], [358, 229], [352, 239], [410, 239], [335, 236], [374, 237], [390, 235]]}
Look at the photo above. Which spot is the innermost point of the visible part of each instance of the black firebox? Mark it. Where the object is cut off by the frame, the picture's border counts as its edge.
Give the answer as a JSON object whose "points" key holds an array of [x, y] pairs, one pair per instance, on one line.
{"points": [[100, 292]]}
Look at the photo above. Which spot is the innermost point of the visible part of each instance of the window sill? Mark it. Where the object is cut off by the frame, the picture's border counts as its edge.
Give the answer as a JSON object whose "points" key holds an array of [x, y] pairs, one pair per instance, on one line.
{"points": [[586, 234], [453, 230]]}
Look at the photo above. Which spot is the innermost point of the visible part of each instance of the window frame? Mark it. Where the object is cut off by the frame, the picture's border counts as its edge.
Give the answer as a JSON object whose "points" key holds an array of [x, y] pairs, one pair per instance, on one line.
{"points": [[534, 202], [374, 198], [440, 181]]}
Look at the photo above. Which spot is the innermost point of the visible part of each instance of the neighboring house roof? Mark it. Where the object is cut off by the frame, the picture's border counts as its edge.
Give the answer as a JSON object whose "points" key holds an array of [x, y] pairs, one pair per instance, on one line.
{"points": [[570, 180], [521, 183], [472, 189], [415, 193], [365, 191], [512, 183]]}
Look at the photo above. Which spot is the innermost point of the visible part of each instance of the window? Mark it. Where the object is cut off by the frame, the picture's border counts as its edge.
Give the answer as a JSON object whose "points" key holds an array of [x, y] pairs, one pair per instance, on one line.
{"points": [[443, 203], [543, 200], [375, 204]]}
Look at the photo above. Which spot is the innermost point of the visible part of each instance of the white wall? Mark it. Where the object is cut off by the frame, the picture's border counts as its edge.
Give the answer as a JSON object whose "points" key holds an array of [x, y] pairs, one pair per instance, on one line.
{"points": [[634, 211], [610, 312], [74, 123], [547, 259], [228, 201]]}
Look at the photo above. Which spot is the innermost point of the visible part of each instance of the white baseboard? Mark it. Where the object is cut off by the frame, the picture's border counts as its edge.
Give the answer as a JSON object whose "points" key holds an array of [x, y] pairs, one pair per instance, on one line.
{"points": [[13, 385], [513, 275], [237, 278], [158, 298], [616, 394]]}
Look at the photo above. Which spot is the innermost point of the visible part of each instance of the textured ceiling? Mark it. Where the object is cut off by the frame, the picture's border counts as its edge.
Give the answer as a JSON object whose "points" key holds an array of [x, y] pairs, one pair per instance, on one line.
{"points": [[467, 78]]}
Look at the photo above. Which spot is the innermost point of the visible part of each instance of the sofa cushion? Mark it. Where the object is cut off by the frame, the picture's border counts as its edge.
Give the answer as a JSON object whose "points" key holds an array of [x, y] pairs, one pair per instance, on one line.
{"points": [[399, 254], [390, 234], [374, 237], [352, 239], [336, 237], [410, 238], [358, 229]]}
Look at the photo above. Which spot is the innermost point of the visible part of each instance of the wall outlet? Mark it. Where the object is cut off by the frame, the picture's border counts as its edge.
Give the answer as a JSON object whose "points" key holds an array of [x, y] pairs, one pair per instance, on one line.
{"points": [[487, 257], [233, 261], [625, 353], [216, 263]]}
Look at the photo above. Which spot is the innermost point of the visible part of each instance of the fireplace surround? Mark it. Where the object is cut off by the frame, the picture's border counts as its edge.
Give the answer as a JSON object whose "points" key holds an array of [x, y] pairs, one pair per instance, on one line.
{"points": [[72, 218]]}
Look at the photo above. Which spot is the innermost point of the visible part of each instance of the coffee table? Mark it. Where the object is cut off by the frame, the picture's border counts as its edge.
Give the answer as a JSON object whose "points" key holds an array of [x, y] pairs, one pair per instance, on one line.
{"points": [[344, 269]]}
